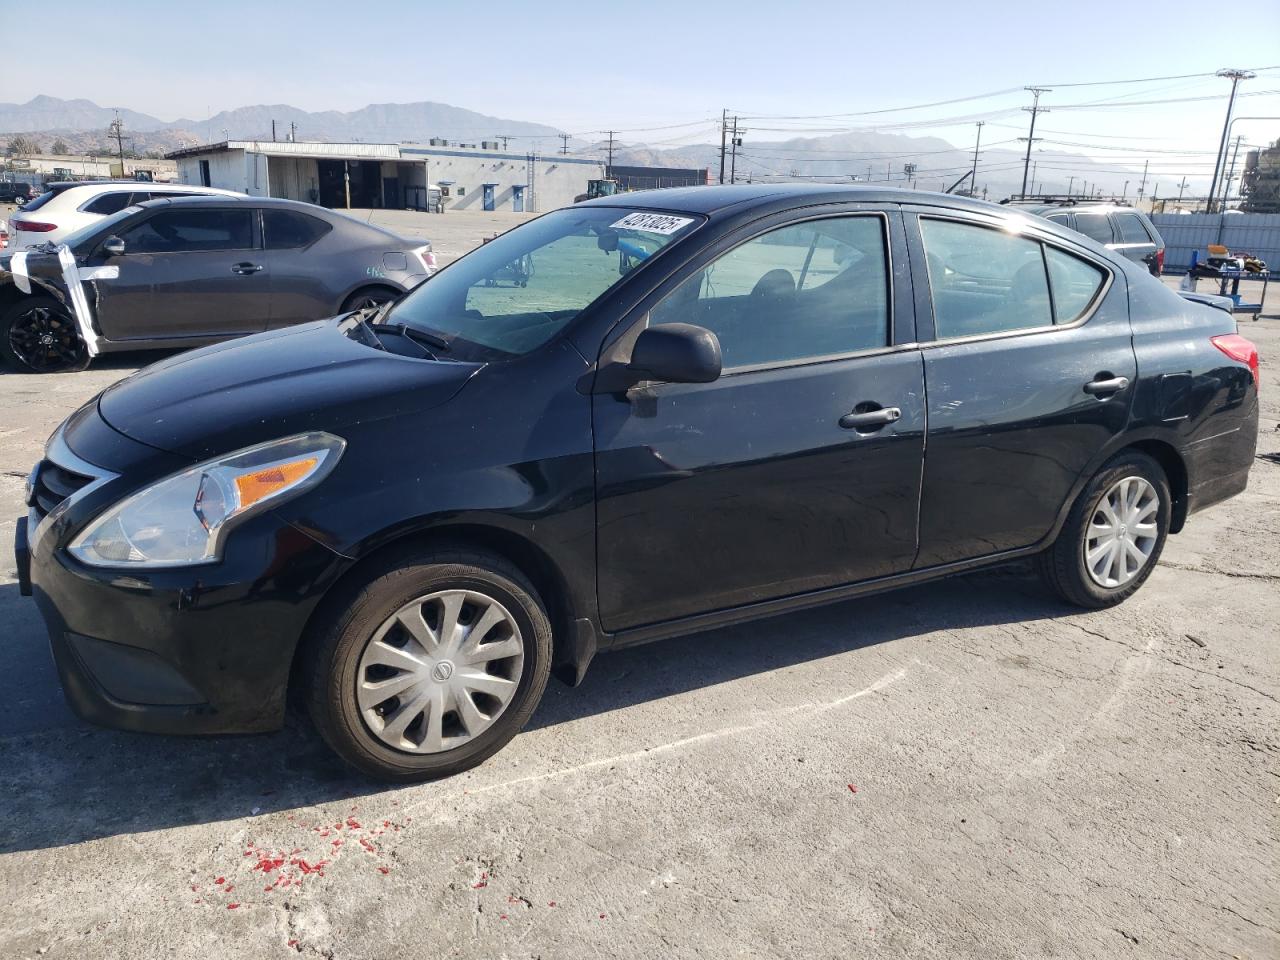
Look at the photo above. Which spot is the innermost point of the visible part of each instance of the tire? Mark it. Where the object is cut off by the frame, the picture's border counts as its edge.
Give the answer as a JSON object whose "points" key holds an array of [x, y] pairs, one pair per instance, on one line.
{"points": [[367, 297], [39, 336], [1065, 566], [341, 650]]}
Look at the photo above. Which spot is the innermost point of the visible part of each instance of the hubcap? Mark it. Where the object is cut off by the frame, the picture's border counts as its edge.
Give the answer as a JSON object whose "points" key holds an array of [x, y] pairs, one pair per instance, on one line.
{"points": [[1122, 532], [439, 671]]}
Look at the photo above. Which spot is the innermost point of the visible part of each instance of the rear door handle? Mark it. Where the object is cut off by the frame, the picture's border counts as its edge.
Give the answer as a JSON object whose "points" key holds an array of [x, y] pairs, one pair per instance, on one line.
{"points": [[245, 269], [871, 419], [1104, 386]]}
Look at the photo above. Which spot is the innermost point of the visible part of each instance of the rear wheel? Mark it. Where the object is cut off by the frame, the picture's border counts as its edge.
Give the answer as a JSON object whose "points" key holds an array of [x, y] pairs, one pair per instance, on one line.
{"points": [[366, 298], [429, 666], [1113, 536]]}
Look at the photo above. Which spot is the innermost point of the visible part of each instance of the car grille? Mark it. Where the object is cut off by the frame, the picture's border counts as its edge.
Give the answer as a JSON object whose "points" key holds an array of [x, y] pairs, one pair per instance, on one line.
{"points": [[52, 485]]}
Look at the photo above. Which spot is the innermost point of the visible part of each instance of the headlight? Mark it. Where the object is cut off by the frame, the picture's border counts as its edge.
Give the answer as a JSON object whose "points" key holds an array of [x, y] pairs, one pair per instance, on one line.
{"points": [[183, 519]]}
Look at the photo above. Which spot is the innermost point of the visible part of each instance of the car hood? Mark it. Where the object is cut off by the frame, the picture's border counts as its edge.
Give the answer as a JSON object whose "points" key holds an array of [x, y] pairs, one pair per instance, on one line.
{"points": [[310, 377]]}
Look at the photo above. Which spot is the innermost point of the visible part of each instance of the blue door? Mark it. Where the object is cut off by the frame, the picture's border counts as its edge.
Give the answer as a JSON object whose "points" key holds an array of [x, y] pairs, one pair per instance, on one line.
{"points": [[517, 199], [488, 196]]}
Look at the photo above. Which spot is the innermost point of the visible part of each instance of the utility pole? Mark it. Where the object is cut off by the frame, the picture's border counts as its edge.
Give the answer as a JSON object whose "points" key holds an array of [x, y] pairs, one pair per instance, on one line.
{"points": [[1181, 187], [1125, 192], [724, 125], [735, 143], [1034, 109], [273, 131], [564, 143], [1071, 184], [868, 173], [1142, 188], [608, 168], [1226, 190], [1034, 165], [1235, 76], [504, 137], [116, 131], [293, 132], [973, 178]]}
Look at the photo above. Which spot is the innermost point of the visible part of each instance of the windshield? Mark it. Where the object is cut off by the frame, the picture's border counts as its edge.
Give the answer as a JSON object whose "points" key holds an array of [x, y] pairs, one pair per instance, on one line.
{"points": [[104, 228], [516, 292]]}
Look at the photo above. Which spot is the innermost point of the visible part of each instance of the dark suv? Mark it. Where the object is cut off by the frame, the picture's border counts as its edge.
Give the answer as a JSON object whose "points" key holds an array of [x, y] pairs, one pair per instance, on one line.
{"points": [[18, 193], [703, 406], [1118, 227]]}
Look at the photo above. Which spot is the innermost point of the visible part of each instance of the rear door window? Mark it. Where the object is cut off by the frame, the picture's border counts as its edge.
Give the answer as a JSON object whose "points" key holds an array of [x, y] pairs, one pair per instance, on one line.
{"points": [[1060, 218], [288, 230], [192, 230], [984, 279], [808, 290], [1131, 228], [1095, 225], [108, 203]]}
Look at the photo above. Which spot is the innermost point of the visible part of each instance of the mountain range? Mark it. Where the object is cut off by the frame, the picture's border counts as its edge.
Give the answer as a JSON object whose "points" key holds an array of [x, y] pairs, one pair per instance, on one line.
{"points": [[82, 125]]}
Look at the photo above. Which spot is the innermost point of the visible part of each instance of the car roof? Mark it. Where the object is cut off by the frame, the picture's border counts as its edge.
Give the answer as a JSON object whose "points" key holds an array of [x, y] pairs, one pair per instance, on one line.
{"points": [[743, 197], [61, 186]]}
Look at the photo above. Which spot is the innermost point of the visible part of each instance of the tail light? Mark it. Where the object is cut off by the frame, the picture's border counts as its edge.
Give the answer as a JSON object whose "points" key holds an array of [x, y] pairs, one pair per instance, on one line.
{"points": [[33, 226], [1238, 348], [1159, 261], [427, 257]]}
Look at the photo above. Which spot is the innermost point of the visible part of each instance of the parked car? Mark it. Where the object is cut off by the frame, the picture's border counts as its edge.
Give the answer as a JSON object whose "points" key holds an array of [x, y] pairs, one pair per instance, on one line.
{"points": [[1123, 229], [16, 192], [708, 405], [71, 205], [190, 271]]}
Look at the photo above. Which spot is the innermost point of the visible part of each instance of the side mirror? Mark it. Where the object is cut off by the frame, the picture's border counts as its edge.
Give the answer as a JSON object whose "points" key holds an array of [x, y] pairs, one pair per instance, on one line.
{"points": [[113, 247], [676, 353]]}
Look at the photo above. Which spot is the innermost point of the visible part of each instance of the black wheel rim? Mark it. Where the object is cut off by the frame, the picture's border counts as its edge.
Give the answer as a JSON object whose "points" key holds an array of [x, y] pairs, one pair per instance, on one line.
{"points": [[46, 340]]}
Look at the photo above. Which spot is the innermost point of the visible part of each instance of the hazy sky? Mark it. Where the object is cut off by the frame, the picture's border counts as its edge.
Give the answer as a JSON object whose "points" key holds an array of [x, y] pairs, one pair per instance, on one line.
{"points": [[629, 66]]}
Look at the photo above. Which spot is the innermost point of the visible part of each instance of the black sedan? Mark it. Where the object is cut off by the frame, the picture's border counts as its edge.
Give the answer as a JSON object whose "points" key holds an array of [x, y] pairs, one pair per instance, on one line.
{"points": [[177, 273], [703, 406]]}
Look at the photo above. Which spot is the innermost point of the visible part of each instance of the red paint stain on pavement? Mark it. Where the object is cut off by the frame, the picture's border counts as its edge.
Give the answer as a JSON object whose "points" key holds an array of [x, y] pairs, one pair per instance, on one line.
{"points": [[853, 788], [233, 906]]}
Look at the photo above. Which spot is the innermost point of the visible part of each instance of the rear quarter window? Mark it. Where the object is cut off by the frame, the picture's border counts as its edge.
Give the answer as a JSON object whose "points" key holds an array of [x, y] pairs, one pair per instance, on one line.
{"points": [[1131, 228], [1074, 283]]}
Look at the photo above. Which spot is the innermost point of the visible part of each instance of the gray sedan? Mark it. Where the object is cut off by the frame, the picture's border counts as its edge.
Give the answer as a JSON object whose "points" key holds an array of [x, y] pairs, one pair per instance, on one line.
{"points": [[186, 272]]}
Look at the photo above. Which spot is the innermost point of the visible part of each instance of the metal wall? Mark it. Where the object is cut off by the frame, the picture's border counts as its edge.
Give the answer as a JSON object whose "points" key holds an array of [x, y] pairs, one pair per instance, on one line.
{"points": [[1255, 233]]}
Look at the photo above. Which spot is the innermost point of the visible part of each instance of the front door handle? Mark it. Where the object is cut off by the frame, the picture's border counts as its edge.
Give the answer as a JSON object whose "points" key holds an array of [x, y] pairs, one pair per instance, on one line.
{"points": [[1106, 385], [245, 269], [871, 419]]}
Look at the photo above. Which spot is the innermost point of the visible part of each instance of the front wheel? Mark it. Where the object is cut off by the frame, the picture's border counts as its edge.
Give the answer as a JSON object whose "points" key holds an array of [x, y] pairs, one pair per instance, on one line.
{"points": [[429, 666], [39, 336], [1113, 536]]}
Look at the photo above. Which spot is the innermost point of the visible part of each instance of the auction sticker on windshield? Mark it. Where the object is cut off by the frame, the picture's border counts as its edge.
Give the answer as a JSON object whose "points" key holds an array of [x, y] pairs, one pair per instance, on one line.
{"points": [[662, 223]]}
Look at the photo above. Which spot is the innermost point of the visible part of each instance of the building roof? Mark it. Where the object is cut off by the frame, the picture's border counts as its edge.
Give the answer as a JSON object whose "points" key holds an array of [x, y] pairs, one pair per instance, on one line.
{"points": [[307, 149]]}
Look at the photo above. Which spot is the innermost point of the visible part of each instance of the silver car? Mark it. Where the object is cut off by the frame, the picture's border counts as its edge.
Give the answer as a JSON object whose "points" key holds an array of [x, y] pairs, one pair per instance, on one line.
{"points": [[186, 272]]}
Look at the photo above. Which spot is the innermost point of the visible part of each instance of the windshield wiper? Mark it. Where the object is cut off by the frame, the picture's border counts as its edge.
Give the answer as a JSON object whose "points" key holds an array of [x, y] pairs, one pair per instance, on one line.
{"points": [[428, 341], [420, 337]]}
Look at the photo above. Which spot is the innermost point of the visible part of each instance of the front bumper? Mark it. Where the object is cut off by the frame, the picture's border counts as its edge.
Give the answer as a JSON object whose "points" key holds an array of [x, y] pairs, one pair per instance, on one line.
{"points": [[196, 650]]}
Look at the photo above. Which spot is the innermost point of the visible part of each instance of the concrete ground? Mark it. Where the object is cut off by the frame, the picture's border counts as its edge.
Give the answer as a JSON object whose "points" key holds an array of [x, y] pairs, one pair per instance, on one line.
{"points": [[967, 769]]}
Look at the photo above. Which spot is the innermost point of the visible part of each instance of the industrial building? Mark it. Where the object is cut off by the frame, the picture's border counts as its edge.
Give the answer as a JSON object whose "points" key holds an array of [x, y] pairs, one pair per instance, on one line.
{"points": [[438, 175]]}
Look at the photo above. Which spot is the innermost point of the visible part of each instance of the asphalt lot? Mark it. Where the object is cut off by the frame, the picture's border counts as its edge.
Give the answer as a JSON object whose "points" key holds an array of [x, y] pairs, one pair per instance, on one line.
{"points": [[966, 769]]}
